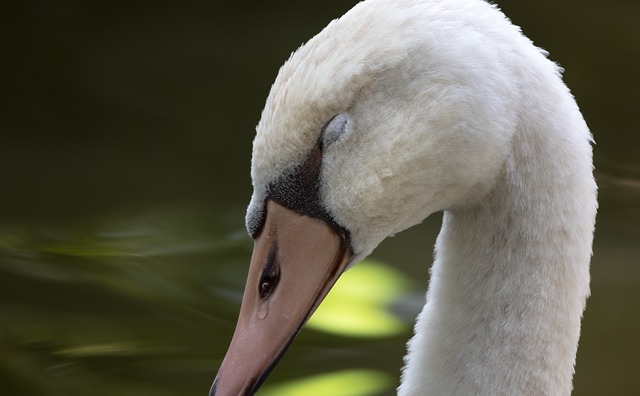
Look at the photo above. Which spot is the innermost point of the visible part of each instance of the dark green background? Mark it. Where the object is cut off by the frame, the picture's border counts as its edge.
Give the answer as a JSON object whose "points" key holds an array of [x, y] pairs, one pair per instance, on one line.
{"points": [[126, 132]]}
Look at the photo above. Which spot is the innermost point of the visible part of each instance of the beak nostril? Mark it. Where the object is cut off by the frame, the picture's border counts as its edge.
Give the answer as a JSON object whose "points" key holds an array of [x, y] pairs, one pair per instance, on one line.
{"points": [[270, 275], [265, 288]]}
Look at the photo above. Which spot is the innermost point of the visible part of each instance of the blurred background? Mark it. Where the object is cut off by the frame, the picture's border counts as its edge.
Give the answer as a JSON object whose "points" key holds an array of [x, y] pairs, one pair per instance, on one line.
{"points": [[126, 132]]}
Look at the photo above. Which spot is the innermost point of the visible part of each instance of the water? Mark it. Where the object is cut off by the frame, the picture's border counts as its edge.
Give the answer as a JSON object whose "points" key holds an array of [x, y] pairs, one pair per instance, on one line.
{"points": [[124, 169]]}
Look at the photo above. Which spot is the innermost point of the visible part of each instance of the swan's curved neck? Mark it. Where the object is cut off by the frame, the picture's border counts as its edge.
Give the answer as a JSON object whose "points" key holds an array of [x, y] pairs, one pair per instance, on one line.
{"points": [[511, 276]]}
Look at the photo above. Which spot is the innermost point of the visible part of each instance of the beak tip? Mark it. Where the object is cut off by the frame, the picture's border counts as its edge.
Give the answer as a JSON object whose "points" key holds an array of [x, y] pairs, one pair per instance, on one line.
{"points": [[212, 391]]}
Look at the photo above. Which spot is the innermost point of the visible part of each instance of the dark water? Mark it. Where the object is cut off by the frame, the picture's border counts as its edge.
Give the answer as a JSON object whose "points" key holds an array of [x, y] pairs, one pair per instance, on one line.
{"points": [[124, 164]]}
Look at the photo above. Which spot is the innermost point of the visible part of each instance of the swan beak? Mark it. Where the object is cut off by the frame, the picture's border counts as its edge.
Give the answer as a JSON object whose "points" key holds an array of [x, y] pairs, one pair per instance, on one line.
{"points": [[296, 260]]}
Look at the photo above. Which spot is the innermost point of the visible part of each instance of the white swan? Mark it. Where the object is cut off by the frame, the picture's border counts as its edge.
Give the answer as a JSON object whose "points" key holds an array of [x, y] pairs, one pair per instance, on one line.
{"points": [[399, 109]]}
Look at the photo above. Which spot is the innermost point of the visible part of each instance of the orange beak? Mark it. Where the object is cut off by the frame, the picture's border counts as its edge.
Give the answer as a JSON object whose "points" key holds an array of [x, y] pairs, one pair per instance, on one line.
{"points": [[296, 260]]}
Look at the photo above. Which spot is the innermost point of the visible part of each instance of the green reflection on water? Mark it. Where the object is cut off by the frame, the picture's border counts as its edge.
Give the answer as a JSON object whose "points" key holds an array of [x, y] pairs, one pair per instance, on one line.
{"points": [[359, 304], [340, 383]]}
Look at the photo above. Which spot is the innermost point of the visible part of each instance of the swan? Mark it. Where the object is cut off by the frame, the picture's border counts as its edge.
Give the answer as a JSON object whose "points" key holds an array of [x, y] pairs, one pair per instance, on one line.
{"points": [[403, 108]]}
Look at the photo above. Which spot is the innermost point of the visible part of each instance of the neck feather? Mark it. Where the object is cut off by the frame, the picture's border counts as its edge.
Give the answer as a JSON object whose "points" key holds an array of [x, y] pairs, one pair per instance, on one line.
{"points": [[511, 276]]}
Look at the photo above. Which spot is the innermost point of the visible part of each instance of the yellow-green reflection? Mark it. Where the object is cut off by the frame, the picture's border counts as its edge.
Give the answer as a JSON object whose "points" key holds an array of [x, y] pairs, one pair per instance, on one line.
{"points": [[339, 383], [359, 303], [104, 349]]}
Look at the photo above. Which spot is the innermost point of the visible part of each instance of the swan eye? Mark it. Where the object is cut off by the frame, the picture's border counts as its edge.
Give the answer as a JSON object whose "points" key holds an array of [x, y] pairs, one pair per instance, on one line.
{"points": [[336, 128], [270, 276]]}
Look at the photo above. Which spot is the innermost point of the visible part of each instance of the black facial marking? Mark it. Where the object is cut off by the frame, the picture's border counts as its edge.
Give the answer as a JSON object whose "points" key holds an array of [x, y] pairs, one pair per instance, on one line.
{"points": [[270, 275], [299, 190]]}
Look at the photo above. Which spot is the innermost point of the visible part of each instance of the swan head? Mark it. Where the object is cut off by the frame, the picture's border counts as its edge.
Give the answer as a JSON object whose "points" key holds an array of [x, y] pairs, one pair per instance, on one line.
{"points": [[375, 123]]}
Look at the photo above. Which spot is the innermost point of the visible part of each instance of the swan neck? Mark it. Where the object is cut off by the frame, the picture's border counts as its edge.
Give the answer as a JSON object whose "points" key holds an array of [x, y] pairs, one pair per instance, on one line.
{"points": [[510, 279]]}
